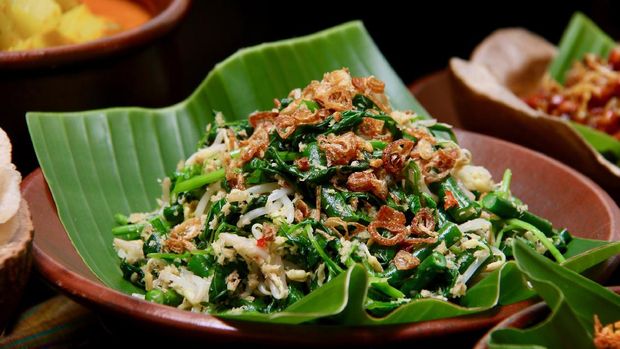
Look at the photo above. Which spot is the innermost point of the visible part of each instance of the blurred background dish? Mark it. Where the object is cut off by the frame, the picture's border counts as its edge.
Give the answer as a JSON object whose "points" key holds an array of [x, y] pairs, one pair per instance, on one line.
{"points": [[128, 66]]}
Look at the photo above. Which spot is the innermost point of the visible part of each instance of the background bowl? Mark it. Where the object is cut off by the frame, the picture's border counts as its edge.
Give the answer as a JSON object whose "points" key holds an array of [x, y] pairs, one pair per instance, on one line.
{"points": [[550, 188], [525, 318], [15, 263], [130, 66]]}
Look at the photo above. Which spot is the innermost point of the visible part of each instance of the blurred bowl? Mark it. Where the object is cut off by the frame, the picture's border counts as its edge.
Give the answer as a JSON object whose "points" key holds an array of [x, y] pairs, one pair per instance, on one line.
{"points": [[15, 262], [539, 181], [132, 64], [528, 317]]}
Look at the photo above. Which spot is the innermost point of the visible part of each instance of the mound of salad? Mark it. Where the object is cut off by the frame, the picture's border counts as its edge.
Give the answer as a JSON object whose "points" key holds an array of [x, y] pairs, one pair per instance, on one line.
{"points": [[271, 208]]}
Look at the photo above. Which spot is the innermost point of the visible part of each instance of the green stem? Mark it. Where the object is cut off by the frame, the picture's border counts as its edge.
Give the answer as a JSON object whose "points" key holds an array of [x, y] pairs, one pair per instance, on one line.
{"points": [[199, 181], [505, 187], [382, 285], [128, 232], [168, 256], [540, 236], [285, 155], [331, 265]]}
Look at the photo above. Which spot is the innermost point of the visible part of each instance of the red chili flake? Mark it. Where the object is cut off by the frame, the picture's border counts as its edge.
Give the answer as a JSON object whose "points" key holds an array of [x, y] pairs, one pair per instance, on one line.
{"points": [[449, 200]]}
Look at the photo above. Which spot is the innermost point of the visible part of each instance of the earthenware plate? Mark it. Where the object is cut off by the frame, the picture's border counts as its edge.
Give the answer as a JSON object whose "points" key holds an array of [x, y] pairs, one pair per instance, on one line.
{"points": [[551, 189]]}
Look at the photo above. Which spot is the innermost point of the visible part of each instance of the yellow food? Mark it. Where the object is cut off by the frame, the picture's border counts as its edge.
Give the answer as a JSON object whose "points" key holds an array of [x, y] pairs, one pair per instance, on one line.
{"points": [[33, 24]]}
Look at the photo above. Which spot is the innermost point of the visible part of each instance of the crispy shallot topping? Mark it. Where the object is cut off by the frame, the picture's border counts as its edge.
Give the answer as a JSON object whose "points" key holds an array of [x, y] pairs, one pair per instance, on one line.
{"points": [[334, 223], [392, 221], [608, 336], [302, 210], [256, 144], [340, 150], [259, 117], [374, 89], [423, 223], [373, 129], [234, 176], [286, 123], [367, 181], [405, 260], [335, 92], [180, 238], [375, 163], [440, 164], [303, 164], [395, 155]]}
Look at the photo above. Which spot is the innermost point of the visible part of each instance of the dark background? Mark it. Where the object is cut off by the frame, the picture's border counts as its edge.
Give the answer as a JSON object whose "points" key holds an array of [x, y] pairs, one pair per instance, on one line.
{"points": [[416, 37]]}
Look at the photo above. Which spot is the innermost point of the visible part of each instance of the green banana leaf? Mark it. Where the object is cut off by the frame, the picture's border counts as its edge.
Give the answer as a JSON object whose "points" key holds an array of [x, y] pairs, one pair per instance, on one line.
{"points": [[101, 162], [580, 37], [573, 300]]}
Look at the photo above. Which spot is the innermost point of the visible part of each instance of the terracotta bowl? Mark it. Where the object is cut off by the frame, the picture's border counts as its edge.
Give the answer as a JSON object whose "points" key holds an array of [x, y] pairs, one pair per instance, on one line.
{"points": [[131, 66], [15, 262], [550, 188], [528, 317]]}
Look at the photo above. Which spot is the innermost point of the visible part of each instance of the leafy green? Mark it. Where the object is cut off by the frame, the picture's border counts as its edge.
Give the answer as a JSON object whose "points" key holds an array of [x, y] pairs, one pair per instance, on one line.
{"points": [[573, 299]]}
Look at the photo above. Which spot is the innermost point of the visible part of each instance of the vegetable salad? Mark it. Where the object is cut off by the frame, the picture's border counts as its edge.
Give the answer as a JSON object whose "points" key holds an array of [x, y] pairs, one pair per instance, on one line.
{"points": [[271, 208]]}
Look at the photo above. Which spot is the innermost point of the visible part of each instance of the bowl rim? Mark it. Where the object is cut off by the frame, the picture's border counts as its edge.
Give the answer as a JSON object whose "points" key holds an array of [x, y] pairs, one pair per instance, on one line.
{"points": [[20, 240], [98, 295], [523, 318], [65, 54]]}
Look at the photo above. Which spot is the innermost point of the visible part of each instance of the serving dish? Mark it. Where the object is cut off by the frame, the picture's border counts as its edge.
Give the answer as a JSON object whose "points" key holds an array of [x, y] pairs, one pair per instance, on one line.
{"points": [[56, 258], [91, 74]]}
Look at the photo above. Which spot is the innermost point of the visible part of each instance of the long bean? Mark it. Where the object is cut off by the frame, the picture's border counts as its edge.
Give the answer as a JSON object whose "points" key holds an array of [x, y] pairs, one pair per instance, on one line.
{"points": [[199, 181], [540, 236], [506, 209]]}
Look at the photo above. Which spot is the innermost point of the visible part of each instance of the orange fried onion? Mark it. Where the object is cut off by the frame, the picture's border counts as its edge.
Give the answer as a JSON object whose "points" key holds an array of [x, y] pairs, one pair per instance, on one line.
{"points": [[367, 181], [374, 89], [259, 117], [180, 238], [440, 164], [336, 222], [340, 150], [422, 224], [608, 336], [373, 129], [392, 221], [302, 210], [395, 155], [335, 92], [256, 144], [405, 260], [288, 121]]}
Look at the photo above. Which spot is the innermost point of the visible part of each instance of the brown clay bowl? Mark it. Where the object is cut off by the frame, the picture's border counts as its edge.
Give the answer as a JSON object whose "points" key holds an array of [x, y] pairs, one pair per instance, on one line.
{"points": [[528, 317], [15, 262], [550, 188], [132, 66]]}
